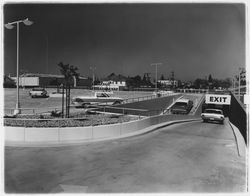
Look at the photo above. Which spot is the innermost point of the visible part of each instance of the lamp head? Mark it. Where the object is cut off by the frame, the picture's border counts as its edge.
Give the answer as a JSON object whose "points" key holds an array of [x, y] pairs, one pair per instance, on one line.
{"points": [[9, 26], [27, 22]]}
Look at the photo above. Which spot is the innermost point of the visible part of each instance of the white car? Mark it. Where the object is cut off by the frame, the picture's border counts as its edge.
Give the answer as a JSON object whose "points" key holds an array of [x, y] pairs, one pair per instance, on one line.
{"points": [[38, 92], [99, 98], [213, 115]]}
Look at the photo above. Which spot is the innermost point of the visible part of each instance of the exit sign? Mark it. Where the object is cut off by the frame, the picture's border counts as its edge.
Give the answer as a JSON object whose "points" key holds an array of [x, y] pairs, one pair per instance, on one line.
{"points": [[218, 99]]}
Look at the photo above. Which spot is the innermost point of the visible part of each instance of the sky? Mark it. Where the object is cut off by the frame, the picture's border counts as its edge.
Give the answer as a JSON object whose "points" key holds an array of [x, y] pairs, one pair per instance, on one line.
{"points": [[193, 40]]}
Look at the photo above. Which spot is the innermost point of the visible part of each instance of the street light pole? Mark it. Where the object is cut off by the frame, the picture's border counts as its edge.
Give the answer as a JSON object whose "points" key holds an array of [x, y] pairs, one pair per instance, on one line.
{"points": [[240, 70], [17, 110], [11, 26], [93, 76], [233, 85], [156, 66]]}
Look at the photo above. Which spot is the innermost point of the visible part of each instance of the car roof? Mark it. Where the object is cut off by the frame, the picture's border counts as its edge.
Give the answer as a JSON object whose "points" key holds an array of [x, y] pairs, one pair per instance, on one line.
{"points": [[38, 88], [183, 100]]}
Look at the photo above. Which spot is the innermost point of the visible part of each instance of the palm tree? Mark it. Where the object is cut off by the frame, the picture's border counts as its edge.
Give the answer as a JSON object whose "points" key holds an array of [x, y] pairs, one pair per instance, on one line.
{"points": [[69, 72]]}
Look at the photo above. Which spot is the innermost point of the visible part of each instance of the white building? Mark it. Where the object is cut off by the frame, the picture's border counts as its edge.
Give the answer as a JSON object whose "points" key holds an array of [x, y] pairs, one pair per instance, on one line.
{"points": [[35, 80], [111, 85], [168, 82]]}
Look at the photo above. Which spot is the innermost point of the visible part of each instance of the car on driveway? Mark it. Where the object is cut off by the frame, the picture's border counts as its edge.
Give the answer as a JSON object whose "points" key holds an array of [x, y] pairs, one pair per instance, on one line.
{"points": [[38, 92], [182, 106], [213, 115]]}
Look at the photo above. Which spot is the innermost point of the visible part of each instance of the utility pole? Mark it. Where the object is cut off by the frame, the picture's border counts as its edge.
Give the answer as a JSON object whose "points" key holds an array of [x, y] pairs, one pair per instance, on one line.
{"points": [[93, 76], [47, 54], [233, 85], [156, 66], [172, 78], [241, 69]]}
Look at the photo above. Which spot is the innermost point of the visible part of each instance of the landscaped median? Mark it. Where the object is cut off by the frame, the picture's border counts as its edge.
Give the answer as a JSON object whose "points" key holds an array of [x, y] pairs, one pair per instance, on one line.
{"points": [[26, 136]]}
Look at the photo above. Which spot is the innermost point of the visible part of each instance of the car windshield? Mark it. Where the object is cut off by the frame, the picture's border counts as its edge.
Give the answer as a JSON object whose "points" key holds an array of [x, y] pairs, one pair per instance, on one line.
{"points": [[102, 95], [37, 89], [213, 111]]}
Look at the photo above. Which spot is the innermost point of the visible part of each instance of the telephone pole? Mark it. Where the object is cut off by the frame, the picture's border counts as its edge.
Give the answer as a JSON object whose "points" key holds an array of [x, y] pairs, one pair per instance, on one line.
{"points": [[156, 67], [93, 76]]}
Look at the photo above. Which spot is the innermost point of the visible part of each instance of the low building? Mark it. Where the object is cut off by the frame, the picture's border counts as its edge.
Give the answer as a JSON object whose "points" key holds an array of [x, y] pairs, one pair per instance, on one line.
{"points": [[49, 80], [111, 85], [168, 83]]}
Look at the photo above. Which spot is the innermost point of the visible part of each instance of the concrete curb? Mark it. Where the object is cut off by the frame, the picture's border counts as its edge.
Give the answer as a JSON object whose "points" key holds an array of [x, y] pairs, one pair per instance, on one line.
{"points": [[240, 142], [79, 142]]}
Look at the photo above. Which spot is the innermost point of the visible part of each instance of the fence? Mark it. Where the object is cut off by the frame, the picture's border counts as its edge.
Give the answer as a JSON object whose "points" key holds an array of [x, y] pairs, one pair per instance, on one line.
{"points": [[192, 90], [216, 91], [149, 97], [10, 111]]}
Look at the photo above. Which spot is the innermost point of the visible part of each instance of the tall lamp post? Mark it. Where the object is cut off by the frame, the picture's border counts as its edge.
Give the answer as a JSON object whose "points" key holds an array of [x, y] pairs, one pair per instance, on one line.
{"points": [[93, 76], [10, 25], [240, 70], [156, 66]]}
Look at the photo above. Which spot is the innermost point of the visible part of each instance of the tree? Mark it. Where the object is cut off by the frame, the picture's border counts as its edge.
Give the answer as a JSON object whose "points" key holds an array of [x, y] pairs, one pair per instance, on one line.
{"points": [[210, 79], [162, 77], [69, 72]]}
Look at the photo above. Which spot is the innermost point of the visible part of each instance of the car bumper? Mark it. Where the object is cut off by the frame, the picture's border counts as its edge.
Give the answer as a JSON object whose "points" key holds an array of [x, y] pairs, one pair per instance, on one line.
{"points": [[212, 118]]}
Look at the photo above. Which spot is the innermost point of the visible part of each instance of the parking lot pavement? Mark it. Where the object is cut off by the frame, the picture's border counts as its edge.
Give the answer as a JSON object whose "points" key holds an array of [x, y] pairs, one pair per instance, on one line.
{"points": [[188, 157]]}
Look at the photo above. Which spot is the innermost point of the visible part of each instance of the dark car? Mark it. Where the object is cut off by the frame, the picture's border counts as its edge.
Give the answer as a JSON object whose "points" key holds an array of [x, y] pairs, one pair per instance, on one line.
{"points": [[182, 106]]}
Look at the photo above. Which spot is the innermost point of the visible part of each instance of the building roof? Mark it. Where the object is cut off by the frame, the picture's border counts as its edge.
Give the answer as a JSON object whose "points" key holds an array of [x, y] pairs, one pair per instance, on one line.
{"points": [[46, 75]]}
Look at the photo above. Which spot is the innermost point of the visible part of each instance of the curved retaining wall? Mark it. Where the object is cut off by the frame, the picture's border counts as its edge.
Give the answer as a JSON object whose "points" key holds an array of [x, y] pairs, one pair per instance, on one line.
{"points": [[67, 134]]}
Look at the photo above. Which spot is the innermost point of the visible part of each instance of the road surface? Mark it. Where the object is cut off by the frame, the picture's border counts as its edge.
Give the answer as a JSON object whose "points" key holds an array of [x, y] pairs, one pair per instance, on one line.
{"points": [[187, 157]]}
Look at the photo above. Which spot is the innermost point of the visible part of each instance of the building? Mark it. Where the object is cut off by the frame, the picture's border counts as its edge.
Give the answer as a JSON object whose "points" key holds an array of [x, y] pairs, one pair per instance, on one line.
{"points": [[168, 83], [49, 80], [111, 85]]}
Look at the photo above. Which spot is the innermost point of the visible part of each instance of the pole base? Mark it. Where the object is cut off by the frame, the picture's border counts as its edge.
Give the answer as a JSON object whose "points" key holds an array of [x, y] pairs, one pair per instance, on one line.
{"points": [[17, 111]]}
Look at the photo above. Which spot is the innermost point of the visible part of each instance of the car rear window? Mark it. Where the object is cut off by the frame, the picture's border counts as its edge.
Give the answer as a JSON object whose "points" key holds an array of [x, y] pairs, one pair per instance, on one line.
{"points": [[180, 104], [213, 111]]}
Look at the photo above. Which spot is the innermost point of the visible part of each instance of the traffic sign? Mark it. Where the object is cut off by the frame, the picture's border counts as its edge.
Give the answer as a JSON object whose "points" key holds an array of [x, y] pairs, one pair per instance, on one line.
{"points": [[218, 99]]}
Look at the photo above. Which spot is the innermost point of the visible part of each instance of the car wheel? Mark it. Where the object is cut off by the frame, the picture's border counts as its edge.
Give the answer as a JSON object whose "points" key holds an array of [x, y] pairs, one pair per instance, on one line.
{"points": [[204, 120], [222, 122]]}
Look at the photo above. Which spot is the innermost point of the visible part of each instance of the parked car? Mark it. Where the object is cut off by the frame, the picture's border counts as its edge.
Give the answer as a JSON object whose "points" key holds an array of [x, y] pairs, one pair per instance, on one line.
{"points": [[98, 99], [182, 106], [38, 92], [213, 115]]}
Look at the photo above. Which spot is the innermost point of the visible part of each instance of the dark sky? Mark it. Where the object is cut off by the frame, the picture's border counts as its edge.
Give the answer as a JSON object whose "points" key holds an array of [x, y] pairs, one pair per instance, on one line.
{"points": [[193, 40]]}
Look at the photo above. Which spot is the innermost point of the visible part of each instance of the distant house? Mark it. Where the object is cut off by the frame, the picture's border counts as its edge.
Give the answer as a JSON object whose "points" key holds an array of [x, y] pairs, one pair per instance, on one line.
{"points": [[46, 80], [168, 83], [111, 85], [112, 82]]}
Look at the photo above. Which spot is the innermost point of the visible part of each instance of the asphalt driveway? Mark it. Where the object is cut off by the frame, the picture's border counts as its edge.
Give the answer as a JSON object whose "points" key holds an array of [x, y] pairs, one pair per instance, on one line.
{"points": [[188, 157]]}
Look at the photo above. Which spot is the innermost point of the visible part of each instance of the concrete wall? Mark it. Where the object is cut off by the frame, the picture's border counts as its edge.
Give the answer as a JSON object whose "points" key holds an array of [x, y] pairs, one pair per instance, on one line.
{"points": [[75, 133], [14, 134], [238, 116], [62, 134]]}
